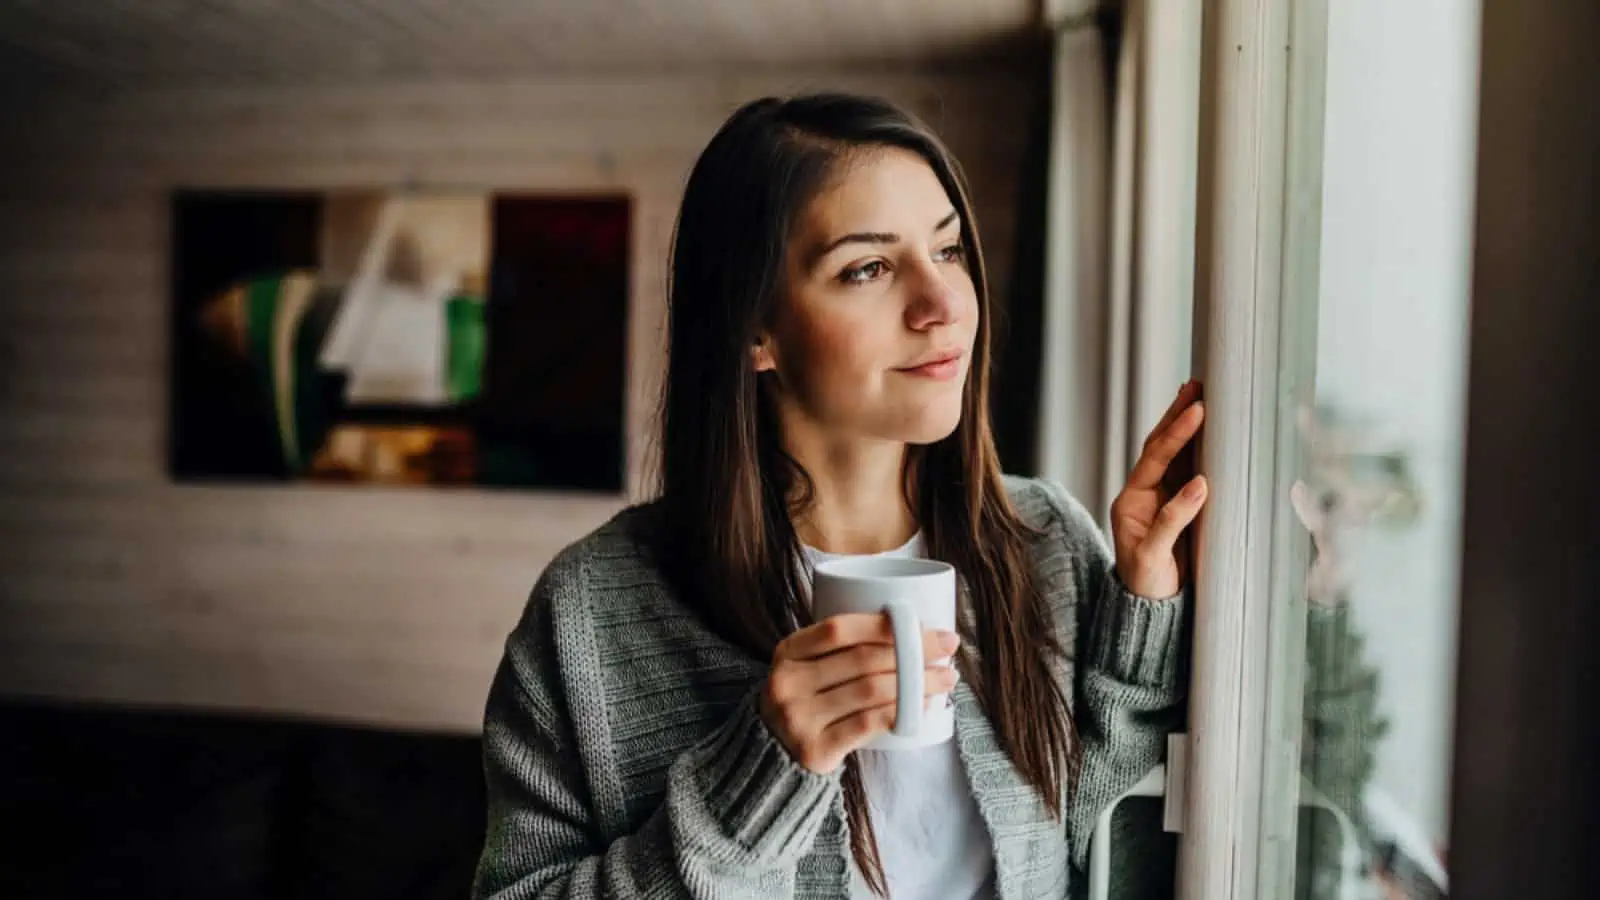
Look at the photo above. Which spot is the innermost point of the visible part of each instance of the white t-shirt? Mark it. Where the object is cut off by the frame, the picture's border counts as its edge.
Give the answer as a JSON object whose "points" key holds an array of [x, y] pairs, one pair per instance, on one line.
{"points": [[931, 837]]}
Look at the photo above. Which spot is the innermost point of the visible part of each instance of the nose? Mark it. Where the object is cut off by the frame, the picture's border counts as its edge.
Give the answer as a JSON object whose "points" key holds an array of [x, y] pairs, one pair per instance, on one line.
{"points": [[932, 300]]}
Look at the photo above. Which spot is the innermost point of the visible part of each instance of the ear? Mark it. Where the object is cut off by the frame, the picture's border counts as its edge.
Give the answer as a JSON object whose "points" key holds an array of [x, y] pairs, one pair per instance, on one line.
{"points": [[761, 356]]}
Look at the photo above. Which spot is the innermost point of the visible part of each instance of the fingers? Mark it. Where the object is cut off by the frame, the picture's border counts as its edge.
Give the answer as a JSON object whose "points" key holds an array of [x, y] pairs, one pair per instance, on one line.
{"points": [[1187, 394], [841, 632], [871, 659], [821, 730], [1173, 518], [846, 735], [866, 706], [833, 685], [835, 633], [870, 691], [1164, 446]]}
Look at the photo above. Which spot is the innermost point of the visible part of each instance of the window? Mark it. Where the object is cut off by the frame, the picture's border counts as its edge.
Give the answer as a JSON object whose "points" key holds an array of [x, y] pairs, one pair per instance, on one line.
{"points": [[1332, 281]]}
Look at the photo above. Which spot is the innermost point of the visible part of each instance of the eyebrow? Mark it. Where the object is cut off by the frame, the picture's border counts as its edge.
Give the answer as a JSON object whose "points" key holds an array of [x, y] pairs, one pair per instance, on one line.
{"points": [[871, 237]]}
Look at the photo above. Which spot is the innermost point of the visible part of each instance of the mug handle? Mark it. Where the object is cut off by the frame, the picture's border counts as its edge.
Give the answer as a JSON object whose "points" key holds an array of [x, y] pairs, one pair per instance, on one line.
{"points": [[908, 668]]}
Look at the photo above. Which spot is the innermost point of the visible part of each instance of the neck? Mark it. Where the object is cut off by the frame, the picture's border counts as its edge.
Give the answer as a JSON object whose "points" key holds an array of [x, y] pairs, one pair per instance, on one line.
{"points": [[858, 502]]}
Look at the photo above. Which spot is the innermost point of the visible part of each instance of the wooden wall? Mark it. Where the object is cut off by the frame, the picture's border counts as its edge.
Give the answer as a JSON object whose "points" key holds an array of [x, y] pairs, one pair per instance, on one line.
{"points": [[368, 605]]}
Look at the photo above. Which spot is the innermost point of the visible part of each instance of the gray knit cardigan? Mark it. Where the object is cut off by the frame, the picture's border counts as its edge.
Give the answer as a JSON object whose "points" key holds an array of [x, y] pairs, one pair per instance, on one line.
{"points": [[626, 757]]}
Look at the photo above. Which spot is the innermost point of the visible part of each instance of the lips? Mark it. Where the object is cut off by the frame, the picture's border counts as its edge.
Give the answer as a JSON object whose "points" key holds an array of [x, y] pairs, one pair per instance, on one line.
{"points": [[931, 359], [940, 365]]}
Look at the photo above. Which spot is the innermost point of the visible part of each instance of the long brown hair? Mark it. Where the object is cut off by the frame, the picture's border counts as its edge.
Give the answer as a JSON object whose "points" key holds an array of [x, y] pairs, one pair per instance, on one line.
{"points": [[728, 488]]}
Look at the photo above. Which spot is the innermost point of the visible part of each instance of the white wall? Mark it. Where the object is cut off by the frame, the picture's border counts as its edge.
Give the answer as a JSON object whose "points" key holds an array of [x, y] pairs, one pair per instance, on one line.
{"points": [[1396, 259], [365, 604]]}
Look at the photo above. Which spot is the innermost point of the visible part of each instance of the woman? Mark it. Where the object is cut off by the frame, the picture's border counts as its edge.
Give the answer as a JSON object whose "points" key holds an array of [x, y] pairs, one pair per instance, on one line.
{"points": [[669, 722]]}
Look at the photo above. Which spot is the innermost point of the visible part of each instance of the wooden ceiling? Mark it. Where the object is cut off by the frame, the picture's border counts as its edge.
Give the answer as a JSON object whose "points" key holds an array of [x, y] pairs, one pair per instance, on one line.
{"points": [[111, 43]]}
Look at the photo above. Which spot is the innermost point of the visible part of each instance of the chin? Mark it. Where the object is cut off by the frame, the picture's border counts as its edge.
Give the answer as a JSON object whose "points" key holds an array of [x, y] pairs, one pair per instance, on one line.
{"points": [[931, 425]]}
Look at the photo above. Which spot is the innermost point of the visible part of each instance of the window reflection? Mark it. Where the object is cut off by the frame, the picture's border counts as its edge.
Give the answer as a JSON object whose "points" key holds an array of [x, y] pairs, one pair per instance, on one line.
{"points": [[1354, 839]]}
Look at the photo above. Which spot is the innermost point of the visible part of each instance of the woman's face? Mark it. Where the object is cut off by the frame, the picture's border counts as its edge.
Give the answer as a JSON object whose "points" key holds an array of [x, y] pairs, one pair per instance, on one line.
{"points": [[873, 336]]}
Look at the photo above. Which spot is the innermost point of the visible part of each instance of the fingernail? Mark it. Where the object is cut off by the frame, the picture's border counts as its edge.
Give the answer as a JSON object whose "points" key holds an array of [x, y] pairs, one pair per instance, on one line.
{"points": [[1194, 489], [949, 641]]}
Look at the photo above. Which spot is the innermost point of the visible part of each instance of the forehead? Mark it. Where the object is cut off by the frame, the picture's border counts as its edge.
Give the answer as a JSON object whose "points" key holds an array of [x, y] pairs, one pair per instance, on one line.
{"points": [[884, 190]]}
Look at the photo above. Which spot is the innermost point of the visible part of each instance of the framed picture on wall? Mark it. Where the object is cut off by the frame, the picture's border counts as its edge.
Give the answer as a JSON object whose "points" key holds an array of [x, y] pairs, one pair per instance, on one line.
{"points": [[423, 338]]}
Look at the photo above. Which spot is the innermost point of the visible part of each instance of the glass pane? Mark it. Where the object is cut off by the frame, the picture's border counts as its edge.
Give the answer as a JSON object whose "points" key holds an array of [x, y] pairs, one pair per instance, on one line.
{"points": [[1366, 552]]}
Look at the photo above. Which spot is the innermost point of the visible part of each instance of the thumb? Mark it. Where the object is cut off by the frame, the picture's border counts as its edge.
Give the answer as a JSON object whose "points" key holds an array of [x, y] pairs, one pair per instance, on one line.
{"points": [[1174, 517]]}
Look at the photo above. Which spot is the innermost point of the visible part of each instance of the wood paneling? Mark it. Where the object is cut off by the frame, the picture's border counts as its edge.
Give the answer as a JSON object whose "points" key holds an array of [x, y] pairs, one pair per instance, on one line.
{"points": [[386, 606], [338, 41]]}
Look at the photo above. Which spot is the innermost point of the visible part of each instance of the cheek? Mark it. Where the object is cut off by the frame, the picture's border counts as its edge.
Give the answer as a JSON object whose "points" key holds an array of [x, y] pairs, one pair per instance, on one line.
{"points": [[833, 356], [840, 354]]}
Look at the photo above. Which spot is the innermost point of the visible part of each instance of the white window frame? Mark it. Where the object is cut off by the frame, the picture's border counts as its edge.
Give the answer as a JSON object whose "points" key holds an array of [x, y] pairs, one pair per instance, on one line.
{"points": [[1259, 188]]}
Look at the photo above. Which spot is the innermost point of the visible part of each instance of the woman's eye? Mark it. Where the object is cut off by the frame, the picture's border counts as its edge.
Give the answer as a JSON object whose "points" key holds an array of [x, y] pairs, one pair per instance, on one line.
{"points": [[863, 273], [953, 253]]}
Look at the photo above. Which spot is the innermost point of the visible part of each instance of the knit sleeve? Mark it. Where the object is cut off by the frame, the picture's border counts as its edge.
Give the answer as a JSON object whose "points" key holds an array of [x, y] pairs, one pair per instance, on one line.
{"points": [[1129, 680], [737, 814]]}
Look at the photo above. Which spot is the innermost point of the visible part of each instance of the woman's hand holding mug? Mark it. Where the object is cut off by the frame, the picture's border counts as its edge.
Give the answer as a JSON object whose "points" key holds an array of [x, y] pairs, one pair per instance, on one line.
{"points": [[832, 688]]}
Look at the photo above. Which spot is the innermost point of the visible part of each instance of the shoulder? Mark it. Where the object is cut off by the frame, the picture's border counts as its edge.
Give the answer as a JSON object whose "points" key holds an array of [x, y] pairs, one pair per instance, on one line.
{"points": [[617, 554], [1045, 505], [603, 604], [1070, 553], [604, 639], [554, 644], [614, 561]]}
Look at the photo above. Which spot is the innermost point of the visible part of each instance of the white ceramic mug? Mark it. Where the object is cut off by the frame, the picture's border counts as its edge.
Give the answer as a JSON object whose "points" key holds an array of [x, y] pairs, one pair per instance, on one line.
{"points": [[916, 594]]}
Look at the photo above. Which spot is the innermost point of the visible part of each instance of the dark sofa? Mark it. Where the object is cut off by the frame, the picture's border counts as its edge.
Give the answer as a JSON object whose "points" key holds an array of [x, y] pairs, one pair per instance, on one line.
{"points": [[104, 802]]}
